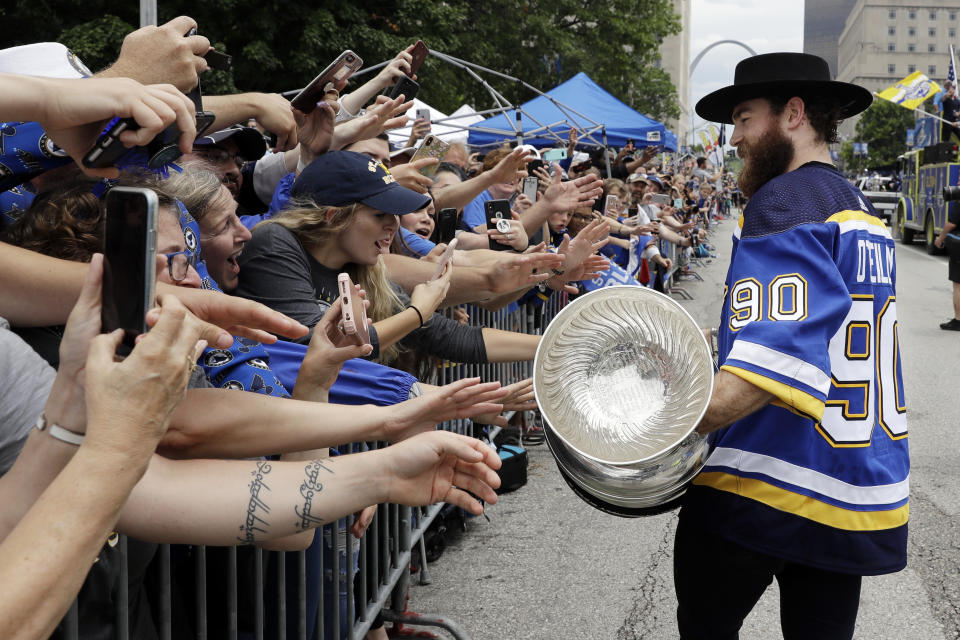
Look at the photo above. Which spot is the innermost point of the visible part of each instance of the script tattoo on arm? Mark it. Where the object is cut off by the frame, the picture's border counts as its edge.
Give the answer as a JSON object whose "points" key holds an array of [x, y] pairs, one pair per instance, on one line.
{"points": [[309, 488], [256, 524]]}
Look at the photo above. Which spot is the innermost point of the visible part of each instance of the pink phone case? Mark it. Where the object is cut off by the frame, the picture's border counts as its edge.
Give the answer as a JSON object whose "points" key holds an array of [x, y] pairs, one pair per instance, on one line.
{"points": [[353, 311], [444, 259]]}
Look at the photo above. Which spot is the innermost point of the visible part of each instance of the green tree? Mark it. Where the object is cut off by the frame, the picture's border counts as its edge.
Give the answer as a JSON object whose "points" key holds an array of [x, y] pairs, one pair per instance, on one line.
{"points": [[883, 127], [280, 46]]}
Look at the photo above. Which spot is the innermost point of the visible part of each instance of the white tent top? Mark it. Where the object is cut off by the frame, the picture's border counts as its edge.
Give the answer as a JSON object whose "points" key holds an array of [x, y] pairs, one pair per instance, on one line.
{"points": [[452, 128]]}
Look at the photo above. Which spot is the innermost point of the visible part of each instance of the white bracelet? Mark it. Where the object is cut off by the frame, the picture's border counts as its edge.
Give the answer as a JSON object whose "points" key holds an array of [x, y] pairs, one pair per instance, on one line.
{"points": [[58, 432]]}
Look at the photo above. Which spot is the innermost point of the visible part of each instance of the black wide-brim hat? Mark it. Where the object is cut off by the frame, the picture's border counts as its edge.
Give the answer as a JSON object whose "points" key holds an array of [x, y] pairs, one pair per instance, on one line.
{"points": [[779, 74]]}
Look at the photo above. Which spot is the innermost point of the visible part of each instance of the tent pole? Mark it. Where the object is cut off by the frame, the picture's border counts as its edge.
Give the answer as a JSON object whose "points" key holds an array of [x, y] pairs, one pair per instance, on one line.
{"points": [[606, 154], [519, 113]]}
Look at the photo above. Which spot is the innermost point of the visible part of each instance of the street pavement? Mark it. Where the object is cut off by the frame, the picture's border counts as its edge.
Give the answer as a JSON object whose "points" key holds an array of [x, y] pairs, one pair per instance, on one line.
{"points": [[547, 565]]}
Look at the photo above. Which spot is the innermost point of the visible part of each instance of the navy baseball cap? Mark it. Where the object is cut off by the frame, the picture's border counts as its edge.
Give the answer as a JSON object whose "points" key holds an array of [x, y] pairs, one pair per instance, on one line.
{"points": [[340, 178], [250, 143], [652, 179]]}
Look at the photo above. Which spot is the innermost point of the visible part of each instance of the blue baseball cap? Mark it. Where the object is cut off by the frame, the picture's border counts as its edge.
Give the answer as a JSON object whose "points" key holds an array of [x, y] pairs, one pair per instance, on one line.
{"points": [[340, 178], [652, 179]]}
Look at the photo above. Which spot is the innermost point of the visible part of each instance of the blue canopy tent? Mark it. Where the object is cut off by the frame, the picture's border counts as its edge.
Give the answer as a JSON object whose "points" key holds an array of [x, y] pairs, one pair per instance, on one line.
{"points": [[580, 102]]}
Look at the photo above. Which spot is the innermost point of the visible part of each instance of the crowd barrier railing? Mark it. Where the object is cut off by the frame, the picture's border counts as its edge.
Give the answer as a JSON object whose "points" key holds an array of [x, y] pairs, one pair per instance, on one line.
{"points": [[267, 594]]}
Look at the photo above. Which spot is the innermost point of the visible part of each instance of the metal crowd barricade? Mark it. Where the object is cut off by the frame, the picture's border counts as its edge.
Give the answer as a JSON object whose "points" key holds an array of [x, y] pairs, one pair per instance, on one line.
{"points": [[375, 582]]}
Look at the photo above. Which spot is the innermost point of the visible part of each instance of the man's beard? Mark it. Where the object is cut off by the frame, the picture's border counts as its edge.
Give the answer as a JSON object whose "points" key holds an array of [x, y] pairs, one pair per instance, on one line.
{"points": [[765, 160]]}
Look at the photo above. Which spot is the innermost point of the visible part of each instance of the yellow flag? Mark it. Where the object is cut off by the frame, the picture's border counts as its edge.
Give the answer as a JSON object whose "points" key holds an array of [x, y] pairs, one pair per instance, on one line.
{"points": [[911, 91], [714, 135], [706, 140]]}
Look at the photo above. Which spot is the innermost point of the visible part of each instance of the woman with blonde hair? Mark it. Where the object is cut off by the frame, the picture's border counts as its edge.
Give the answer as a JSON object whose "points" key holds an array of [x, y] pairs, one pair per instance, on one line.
{"points": [[344, 217]]}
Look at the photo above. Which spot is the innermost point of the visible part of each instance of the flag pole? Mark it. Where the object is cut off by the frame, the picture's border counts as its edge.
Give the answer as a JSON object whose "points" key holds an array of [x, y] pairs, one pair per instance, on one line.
{"points": [[953, 64]]}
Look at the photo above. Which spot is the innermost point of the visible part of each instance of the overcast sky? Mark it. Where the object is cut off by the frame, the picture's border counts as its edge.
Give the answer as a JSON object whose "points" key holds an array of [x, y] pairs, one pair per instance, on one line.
{"points": [[763, 25]]}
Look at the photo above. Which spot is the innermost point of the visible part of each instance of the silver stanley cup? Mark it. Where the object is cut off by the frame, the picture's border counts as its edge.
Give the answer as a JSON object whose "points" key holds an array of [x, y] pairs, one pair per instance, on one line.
{"points": [[622, 376]]}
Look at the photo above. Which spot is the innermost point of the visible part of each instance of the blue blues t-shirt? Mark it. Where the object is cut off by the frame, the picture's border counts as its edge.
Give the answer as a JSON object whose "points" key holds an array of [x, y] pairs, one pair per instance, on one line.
{"points": [[473, 214], [417, 245]]}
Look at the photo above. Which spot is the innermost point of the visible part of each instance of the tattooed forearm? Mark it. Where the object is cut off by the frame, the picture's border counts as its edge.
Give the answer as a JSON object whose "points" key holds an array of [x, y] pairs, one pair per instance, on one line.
{"points": [[310, 487], [256, 524]]}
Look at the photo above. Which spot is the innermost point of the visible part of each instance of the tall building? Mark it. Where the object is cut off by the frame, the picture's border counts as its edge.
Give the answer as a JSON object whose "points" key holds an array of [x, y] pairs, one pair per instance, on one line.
{"points": [[886, 40], [823, 22], [675, 60]]}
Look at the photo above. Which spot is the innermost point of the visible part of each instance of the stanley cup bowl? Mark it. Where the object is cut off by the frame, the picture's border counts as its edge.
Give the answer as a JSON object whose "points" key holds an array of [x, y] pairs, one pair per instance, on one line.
{"points": [[622, 376]]}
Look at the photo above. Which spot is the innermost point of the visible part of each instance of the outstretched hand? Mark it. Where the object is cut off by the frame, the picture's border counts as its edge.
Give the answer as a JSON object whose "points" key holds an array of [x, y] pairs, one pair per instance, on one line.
{"points": [[519, 397], [384, 115], [460, 399], [314, 131], [566, 196], [520, 271], [441, 467], [129, 403], [226, 315], [329, 348]]}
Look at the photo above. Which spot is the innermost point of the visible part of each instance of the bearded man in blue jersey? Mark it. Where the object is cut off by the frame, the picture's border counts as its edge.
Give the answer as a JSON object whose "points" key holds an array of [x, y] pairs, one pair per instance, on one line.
{"points": [[807, 478]]}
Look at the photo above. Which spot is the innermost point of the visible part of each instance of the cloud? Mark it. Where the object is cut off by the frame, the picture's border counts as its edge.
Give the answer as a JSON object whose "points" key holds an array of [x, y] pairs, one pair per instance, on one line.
{"points": [[762, 25]]}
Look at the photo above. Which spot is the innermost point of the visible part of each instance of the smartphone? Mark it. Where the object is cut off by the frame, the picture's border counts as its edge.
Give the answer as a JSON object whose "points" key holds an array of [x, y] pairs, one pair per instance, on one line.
{"points": [[162, 150], [444, 259], [431, 147], [661, 199], [346, 64], [353, 311], [448, 220], [533, 165], [409, 88], [129, 262], [218, 60], [678, 203], [611, 205], [423, 114], [530, 188], [419, 54], [553, 155], [497, 213]]}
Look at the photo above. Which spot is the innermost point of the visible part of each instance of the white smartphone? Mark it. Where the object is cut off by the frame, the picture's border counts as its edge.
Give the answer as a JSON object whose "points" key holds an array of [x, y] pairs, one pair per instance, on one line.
{"points": [[444, 259], [661, 199], [530, 188], [129, 262], [353, 311]]}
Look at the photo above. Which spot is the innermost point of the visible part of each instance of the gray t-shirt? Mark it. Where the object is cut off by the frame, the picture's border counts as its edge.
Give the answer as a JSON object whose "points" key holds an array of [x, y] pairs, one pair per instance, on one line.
{"points": [[28, 381], [277, 271]]}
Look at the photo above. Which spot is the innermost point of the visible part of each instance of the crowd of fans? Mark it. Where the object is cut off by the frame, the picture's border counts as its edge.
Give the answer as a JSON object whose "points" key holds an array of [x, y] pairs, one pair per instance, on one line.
{"points": [[214, 432]]}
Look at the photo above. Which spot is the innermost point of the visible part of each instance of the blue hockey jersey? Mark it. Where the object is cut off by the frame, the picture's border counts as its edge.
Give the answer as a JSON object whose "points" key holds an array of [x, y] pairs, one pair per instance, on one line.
{"points": [[821, 475]]}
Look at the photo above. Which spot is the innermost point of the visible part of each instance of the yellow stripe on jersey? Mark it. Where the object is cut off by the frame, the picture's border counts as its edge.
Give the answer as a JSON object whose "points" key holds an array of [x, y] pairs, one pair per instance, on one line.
{"points": [[805, 506], [802, 401], [853, 214]]}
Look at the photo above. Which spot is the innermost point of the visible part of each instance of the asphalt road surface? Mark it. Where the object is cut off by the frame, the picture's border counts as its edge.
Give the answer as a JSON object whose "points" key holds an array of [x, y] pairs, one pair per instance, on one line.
{"points": [[547, 565]]}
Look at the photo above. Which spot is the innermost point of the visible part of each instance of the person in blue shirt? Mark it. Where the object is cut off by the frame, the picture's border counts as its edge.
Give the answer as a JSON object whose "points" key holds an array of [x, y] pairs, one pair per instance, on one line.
{"points": [[807, 478]]}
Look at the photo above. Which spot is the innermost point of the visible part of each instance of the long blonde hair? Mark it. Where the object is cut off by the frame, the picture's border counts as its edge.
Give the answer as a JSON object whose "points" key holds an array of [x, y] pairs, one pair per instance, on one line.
{"points": [[309, 222]]}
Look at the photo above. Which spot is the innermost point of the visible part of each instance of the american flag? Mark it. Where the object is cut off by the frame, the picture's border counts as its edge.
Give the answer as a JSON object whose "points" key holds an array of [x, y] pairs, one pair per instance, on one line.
{"points": [[952, 73]]}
